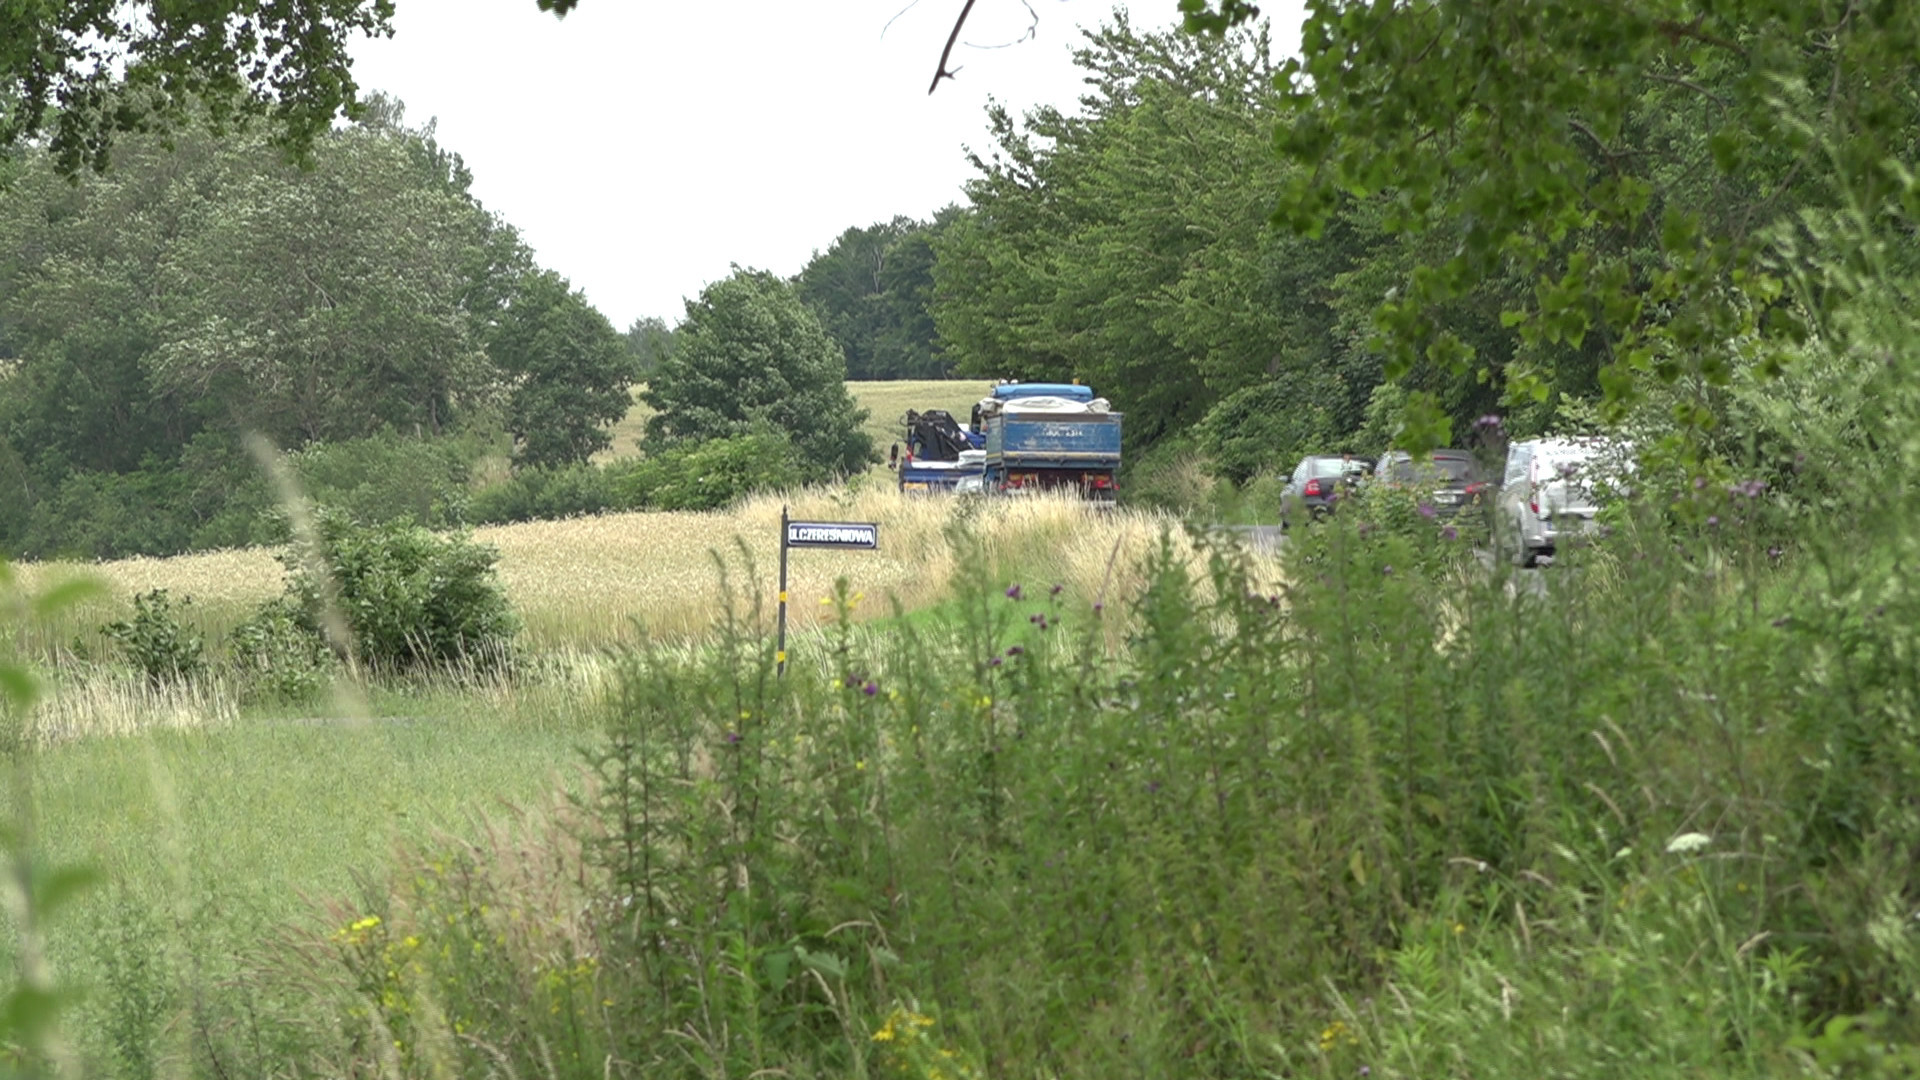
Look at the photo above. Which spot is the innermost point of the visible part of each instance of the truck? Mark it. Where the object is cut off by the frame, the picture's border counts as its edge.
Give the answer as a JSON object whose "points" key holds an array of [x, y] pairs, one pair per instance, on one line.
{"points": [[940, 455], [1049, 437]]}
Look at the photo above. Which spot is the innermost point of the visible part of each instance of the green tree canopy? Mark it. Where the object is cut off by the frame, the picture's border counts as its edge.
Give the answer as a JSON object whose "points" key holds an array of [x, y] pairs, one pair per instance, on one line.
{"points": [[750, 356], [873, 290], [649, 341], [1126, 244], [567, 372], [85, 71], [1656, 176]]}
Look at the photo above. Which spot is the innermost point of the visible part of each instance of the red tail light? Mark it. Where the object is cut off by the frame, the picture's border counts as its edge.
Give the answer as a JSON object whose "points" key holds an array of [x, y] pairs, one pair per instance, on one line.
{"points": [[1313, 488], [1100, 481], [1476, 488]]}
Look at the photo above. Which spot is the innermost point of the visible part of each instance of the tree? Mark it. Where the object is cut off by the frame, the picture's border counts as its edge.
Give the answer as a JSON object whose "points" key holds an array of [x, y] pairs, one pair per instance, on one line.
{"points": [[89, 70], [872, 290], [566, 369], [749, 356], [1125, 245], [1660, 178], [649, 341], [327, 303]]}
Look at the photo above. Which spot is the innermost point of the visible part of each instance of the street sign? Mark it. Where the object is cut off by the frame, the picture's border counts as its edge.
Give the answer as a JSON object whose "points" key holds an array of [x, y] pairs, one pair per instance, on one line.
{"points": [[846, 535], [862, 535]]}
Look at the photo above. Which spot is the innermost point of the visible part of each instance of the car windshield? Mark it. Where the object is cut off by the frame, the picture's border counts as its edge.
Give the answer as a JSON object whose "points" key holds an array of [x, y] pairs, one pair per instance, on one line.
{"points": [[1454, 469]]}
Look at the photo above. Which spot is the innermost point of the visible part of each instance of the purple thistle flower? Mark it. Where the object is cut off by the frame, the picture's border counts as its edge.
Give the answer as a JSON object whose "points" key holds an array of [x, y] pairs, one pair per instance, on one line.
{"points": [[1775, 552], [733, 737], [1098, 607], [1387, 570], [1425, 510], [1449, 533], [871, 688], [1699, 483], [1713, 522], [993, 661], [1055, 591], [1153, 787], [1015, 650], [1013, 592]]}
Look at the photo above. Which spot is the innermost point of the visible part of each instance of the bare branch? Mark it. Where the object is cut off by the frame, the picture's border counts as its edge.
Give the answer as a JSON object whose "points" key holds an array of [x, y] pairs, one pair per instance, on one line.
{"points": [[911, 4], [947, 53], [1690, 85]]}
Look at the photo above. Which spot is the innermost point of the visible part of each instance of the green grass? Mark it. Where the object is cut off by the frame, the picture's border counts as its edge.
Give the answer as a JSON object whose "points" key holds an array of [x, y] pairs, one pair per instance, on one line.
{"points": [[228, 835]]}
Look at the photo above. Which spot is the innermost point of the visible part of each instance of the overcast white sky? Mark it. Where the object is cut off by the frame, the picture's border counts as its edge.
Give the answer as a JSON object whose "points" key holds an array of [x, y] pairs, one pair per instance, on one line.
{"points": [[641, 146]]}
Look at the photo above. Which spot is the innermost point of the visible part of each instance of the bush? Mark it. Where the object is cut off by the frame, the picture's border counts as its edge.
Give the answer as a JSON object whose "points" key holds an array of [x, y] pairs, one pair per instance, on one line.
{"points": [[156, 642], [709, 475], [411, 598], [547, 494], [704, 475], [279, 654], [1267, 427], [388, 477]]}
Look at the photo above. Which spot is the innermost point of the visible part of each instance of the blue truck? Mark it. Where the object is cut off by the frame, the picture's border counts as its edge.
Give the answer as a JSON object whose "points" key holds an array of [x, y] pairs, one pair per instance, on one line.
{"points": [[1049, 437]]}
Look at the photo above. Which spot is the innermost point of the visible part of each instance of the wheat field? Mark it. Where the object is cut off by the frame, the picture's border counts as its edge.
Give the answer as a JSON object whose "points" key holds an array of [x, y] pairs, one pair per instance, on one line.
{"points": [[586, 582]]}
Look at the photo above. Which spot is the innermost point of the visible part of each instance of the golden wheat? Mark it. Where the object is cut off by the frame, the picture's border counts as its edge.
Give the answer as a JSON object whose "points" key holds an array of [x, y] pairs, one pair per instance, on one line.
{"points": [[599, 579], [591, 581]]}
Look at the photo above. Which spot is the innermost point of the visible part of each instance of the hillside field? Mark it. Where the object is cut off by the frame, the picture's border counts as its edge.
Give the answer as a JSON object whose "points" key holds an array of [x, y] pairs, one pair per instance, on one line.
{"points": [[886, 403]]}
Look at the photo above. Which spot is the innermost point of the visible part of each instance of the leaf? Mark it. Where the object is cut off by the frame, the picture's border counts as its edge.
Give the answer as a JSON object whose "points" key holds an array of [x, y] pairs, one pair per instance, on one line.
{"points": [[17, 685], [825, 963], [63, 885], [67, 594], [777, 964], [1357, 865]]}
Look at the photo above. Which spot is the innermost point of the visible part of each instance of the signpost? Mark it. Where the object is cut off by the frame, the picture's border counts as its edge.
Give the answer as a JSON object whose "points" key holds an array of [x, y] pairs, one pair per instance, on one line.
{"points": [[847, 535]]}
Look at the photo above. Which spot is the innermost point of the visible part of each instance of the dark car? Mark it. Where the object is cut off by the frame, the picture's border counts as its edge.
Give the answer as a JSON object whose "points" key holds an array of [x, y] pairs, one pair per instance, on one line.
{"points": [[1450, 480], [1317, 484]]}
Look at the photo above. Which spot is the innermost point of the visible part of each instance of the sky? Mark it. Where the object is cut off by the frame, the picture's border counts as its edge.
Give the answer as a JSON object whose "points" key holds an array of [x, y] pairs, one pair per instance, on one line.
{"points": [[642, 147]]}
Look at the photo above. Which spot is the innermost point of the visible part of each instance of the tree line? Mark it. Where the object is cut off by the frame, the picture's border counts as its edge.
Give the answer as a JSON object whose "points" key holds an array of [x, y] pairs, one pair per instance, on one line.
{"points": [[1250, 266]]}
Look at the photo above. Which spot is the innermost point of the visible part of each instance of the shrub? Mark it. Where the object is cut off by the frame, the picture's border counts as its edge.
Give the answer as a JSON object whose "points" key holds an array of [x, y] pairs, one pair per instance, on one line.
{"points": [[411, 598], [1269, 426], [279, 654], [388, 477], [156, 642], [709, 475], [546, 494]]}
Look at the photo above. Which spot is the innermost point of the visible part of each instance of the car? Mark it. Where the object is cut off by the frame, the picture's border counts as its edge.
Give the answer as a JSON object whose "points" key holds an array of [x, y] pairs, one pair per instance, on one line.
{"points": [[1550, 492], [1452, 479], [1317, 484]]}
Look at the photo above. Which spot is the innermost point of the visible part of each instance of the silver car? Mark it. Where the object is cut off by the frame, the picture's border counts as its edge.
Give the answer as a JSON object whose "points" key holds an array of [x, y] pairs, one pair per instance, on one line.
{"points": [[1550, 493]]}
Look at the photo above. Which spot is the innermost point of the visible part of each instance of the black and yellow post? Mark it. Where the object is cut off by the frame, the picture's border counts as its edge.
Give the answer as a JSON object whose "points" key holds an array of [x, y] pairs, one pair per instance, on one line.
{"points": [[780, 645]]}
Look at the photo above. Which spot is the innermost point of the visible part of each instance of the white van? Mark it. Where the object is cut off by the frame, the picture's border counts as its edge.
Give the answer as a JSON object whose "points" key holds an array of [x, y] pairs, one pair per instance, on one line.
{"points": [[1548, 493]]}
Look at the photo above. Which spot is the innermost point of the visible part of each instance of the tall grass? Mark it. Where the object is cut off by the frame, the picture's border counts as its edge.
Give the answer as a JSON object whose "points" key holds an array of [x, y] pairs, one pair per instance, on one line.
{"points": [[1404, 814]]}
